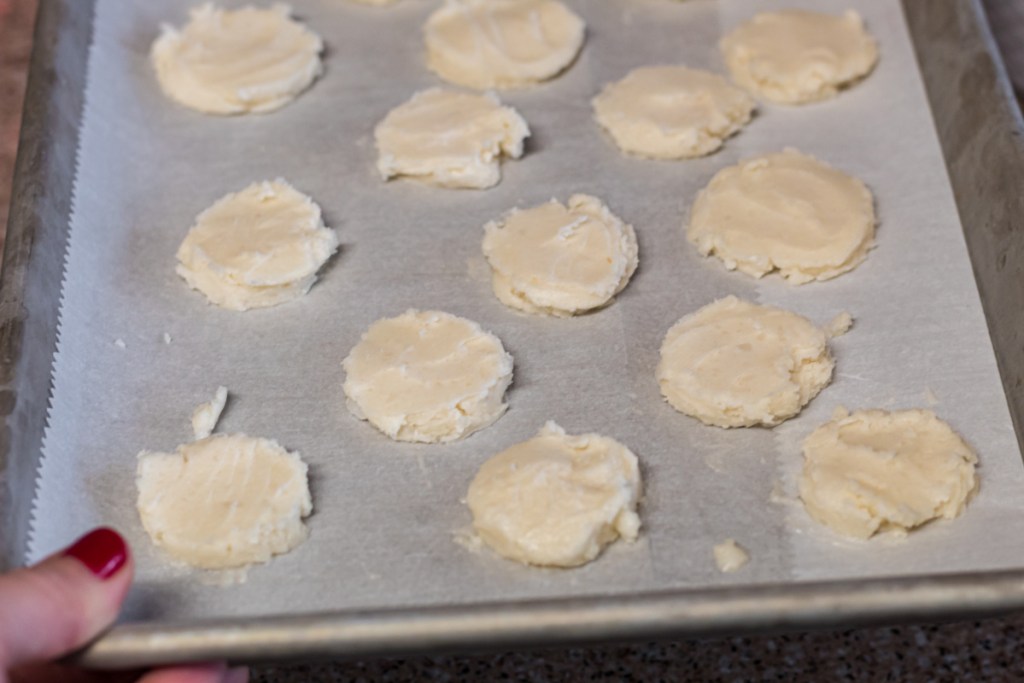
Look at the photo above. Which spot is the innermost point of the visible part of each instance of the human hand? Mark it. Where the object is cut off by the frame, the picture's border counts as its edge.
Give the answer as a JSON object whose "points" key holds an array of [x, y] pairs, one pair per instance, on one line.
{"points": [[57, 606]]}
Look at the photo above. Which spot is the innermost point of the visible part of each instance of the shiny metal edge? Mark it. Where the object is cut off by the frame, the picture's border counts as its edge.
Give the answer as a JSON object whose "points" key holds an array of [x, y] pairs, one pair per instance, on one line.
{"points": [[33, 262], [553, 622], [986, 166]]}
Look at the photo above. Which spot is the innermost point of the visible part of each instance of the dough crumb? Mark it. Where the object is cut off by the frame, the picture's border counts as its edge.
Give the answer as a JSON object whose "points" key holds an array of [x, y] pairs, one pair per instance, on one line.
{"points": [[427, 376], [119, 343], [236, 61], [449, 139], [796, 57], [560, 260], [501, 44], [224, 578], [671, 112], [779, 496], [737, 364], [206, 415], [785, 211], [730, 556], [167, 338], [873, 470], [468, 540], [226, 501], [839, 325], [258, 247], [556, 500]]}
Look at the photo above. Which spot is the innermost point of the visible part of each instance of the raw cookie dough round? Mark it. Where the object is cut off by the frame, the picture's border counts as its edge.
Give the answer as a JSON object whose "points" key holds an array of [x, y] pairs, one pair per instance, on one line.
{"points": [[556, 500], [427, 376], [449, 138], [228, 500], [875, 470], [502, 43], [785, 211], [258, 247], [236, 61], [736, 364], [795, 56], [671, 112], [560, 260]]}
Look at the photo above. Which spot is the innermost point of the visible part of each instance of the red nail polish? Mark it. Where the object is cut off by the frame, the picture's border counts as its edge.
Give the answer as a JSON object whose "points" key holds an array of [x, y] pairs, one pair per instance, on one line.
{"points": [[102, 551]]}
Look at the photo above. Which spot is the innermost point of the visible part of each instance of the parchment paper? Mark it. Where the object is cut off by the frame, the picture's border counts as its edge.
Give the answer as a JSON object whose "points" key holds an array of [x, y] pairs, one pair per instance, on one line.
{"points": [[386, 513]]}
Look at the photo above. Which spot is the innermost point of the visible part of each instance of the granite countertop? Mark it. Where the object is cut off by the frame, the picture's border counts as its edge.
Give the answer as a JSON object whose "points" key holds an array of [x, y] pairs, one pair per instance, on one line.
{"points": [[987, 650]]}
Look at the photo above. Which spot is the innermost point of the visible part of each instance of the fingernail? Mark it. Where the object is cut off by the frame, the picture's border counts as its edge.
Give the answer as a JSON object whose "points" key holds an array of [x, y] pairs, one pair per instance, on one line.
{"points": [[102, 551]]}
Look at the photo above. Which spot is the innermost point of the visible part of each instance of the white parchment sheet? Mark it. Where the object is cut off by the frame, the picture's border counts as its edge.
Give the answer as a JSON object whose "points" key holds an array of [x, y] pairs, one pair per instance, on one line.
{"points": [[385, 512]]}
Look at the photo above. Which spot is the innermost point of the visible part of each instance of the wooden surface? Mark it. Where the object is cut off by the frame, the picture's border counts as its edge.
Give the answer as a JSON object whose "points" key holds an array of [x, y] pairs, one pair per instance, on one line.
{"points": [[16, 18]]}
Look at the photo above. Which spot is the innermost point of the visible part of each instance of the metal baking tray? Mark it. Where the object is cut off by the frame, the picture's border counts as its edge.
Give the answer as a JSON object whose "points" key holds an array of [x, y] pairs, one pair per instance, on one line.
{"points": [[981, 134]]}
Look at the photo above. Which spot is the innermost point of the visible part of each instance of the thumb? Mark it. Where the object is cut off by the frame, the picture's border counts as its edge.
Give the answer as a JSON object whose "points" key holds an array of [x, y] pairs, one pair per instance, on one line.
{"points": [[65, 601]]}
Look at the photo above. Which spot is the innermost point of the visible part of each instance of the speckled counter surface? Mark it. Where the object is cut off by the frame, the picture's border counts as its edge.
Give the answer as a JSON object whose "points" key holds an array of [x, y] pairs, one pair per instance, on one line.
{"points": [[989, 650]]}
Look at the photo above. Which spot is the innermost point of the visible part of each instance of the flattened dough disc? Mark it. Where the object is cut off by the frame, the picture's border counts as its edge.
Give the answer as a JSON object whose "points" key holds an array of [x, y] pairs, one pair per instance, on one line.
{"points": [[236, 61], [502, 43]]}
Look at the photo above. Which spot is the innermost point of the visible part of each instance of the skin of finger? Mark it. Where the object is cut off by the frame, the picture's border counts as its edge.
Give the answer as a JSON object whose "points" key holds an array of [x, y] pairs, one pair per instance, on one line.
{"points": [[58, 673], [56, 607], [214, 672], [239, 674], [62, 673]]}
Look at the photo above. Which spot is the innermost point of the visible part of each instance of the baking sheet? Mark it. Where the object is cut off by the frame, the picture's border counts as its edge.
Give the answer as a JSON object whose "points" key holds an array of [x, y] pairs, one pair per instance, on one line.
{"points": [[386, 512]]}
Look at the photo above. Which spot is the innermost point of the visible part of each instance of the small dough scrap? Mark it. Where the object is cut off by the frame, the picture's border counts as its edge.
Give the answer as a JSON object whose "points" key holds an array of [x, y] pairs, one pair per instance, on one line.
{"points": [[729, 556], [236, 61], [785, 211], [206, 415], [737, 364], [502, 44], [874, 470], [839, 325], [560, 260], [226, 501], [671, 112], [796, 56], [449, 138], [259, 247], [556, 500], [427, 376]]}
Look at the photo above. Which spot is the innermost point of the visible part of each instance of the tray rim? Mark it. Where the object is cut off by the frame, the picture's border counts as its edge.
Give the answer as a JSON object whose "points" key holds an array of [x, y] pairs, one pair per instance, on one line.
{"points": [[38, 220], [503, 624]]}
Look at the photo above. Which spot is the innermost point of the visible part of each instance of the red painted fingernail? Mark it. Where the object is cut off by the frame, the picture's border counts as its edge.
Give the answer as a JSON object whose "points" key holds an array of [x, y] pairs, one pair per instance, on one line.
{"points": [[102, 551]]}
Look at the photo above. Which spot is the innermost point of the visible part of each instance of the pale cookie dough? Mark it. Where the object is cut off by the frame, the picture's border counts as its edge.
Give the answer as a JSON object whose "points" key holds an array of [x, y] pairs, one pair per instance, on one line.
{"points": [[560, 260], [225, 501], [449, 138], [556, 500], [785, 211], [502, 43], [671, 112], [795, 56], [736, 364], [427, 376], [258, 247], [874, 470], [729, 556], [236, 61], [206, 415]]}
